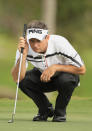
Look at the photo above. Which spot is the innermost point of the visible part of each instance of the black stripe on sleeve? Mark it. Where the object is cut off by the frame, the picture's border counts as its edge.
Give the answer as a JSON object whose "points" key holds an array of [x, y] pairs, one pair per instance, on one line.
{"points": [[37, 57], [50, 55], [59, 53]]}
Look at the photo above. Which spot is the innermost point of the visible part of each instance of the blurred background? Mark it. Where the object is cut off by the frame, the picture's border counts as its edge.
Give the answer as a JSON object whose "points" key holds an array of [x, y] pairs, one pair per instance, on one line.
{"points": [[69, 18]]}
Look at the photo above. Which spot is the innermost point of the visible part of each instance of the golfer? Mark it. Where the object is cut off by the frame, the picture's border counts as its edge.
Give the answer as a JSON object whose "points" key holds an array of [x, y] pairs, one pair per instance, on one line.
{"points": [[57, 67]]}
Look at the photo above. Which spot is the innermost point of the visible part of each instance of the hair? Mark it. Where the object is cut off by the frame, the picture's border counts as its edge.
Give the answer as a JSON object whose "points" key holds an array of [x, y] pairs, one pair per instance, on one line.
{"points": [[37, 24]]}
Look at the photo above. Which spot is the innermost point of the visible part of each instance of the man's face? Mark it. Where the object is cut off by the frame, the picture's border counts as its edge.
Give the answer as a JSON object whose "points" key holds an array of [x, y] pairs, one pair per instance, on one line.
{"points": [[39, 46]]}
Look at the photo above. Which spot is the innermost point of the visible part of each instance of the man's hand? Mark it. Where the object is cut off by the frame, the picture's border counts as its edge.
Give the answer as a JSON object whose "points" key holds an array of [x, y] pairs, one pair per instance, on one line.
{"points": [[48, 73], [23, 43]]}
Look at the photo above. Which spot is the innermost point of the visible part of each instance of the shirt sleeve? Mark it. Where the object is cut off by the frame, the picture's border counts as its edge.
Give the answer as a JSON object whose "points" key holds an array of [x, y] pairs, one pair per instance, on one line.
{"points": [[18, 56], [71, 57]]}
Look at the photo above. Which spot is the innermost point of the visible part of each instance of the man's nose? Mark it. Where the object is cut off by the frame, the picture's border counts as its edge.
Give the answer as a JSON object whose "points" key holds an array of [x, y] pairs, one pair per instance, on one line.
{"points": [[35, 45]]}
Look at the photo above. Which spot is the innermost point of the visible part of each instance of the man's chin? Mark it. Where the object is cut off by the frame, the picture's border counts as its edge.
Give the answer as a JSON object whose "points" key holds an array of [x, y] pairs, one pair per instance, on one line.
{"points": [[38, 51], [35, 50]]}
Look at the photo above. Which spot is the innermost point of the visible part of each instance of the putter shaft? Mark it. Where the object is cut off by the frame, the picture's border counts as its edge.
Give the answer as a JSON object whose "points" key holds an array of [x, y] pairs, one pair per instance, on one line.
{"points": [[12, 120], [21, 54]]}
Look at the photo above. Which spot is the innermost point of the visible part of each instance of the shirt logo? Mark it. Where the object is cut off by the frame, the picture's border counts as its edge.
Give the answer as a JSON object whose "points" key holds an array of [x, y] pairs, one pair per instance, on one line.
{"points": [[35, 31]]}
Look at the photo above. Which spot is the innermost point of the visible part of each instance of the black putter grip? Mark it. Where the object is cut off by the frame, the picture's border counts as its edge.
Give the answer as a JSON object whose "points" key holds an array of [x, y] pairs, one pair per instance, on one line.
{"points": [[24, 34]]}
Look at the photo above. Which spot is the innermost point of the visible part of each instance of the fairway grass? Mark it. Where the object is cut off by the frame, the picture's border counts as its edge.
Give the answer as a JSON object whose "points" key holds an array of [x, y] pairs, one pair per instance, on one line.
{"points": [[79, 117]]}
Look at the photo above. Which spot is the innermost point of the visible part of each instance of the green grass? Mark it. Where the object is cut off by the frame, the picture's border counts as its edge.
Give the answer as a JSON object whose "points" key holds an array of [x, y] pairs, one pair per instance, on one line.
{"points": [[79, 116]]}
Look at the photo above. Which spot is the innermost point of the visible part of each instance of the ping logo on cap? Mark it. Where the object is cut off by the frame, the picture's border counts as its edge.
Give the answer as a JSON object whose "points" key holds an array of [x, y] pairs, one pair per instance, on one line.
{"points": [[35, 31]]}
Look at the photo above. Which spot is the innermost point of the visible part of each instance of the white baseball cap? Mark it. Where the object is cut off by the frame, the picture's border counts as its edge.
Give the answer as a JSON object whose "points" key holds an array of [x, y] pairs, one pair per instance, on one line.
{"points": [[36, 33]]}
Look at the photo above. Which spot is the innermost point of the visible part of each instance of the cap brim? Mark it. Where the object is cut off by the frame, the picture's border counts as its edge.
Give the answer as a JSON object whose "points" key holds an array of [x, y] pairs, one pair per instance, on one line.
{"points": [[36, 36]]}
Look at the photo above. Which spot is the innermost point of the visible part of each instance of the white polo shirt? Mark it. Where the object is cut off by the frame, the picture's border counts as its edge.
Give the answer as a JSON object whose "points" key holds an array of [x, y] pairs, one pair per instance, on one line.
{"points": [[59, 51]]}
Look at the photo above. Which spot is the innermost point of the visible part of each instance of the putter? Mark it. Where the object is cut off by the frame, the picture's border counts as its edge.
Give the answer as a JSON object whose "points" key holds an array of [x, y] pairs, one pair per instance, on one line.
{"points": [[21, 54]]}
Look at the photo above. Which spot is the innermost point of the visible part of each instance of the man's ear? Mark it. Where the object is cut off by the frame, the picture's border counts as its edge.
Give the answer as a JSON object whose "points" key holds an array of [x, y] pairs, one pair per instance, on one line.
{"points": [[47, 37]]}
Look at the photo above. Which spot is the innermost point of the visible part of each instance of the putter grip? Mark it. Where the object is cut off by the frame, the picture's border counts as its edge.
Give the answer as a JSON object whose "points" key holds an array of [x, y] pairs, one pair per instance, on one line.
{"points": [[24, 34]]}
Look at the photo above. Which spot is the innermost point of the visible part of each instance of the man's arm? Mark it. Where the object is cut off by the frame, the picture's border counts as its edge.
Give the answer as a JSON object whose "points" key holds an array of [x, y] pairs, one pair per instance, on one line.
{"points": [[15, 69], [50, 71], [71, 69]]}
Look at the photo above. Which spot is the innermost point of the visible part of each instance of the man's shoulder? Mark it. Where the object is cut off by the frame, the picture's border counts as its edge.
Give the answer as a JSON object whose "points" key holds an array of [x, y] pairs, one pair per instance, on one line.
{"points": [[57, 37], [58, 40]]}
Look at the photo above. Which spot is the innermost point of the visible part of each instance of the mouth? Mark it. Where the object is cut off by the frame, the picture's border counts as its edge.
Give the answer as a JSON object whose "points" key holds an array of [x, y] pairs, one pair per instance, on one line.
{"points": [[36, 50]]}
